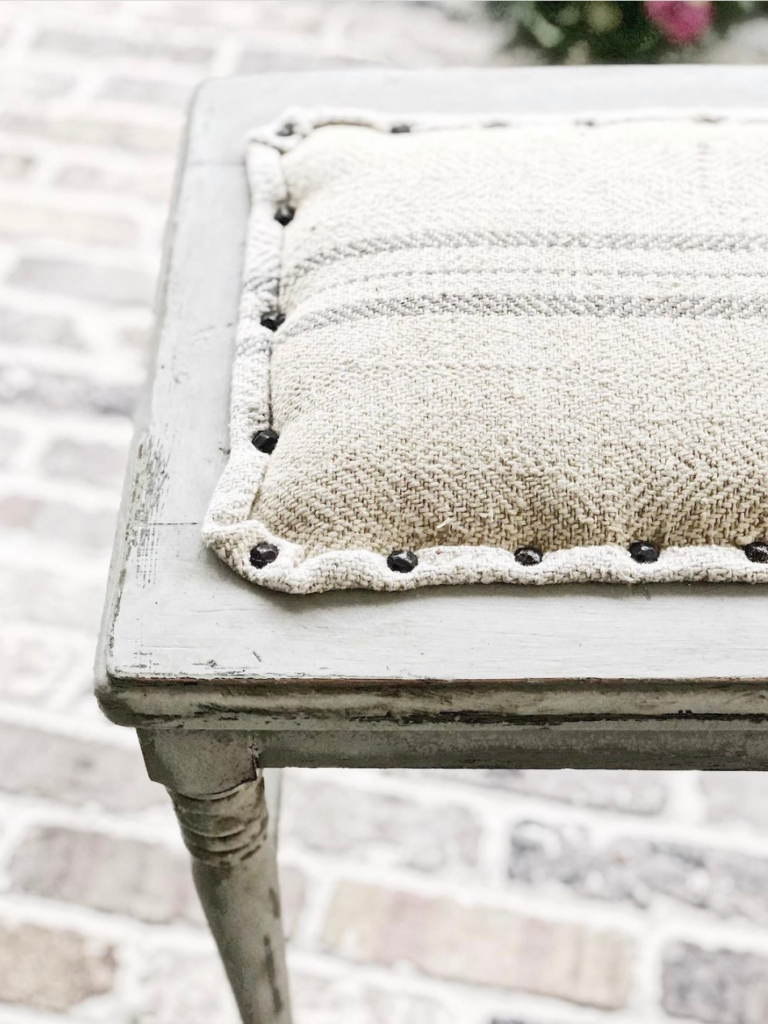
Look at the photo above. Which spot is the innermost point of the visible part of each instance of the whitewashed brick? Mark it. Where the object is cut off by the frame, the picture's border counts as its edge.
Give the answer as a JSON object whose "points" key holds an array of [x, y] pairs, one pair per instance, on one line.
{"points": [[318, 1000], [105, 46], [176, 987], [91, 131], [118, 875], [107, 873], [19, 327], [481, 945], [151, 183], [715, 986], [37, 390], [340, 820], [629, 792], [146, 91], [15, 166], [24, 84], [259, 62], [10, 442], [48, 969], [43, 764], [119, 286], [736, 799], [92, 461], [24, 222], [62, 521], [34, 595], [32, 665], [639, 871]]}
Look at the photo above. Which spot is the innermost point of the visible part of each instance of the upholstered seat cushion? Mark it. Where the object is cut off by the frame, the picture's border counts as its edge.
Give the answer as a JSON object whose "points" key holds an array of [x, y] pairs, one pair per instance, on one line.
{"points": [[463, 341]]}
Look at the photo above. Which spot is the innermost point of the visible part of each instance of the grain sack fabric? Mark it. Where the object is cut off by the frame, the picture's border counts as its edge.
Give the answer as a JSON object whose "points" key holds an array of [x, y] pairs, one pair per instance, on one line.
{"points": [[475, 351]]}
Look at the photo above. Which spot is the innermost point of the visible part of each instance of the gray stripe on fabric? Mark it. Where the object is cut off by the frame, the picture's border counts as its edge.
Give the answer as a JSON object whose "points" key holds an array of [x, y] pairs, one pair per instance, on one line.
{"points": [[361, 277], [628, 241], [678, 306]]}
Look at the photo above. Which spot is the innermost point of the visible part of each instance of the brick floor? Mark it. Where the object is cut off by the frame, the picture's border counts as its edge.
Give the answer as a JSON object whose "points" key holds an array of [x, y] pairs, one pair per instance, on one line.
{"points": [[411, 897]]}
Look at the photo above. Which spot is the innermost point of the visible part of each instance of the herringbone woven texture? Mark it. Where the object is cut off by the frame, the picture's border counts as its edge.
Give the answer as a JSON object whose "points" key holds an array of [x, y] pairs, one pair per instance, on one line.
{"points": [[543, 334]]}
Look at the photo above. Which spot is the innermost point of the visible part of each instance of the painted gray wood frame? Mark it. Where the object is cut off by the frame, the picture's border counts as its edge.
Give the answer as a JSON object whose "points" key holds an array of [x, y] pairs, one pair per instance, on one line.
{"points": [[228, 810], [579, 676]]}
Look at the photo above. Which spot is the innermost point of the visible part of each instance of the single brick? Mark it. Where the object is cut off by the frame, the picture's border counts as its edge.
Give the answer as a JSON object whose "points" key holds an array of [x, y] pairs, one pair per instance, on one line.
{"points": [[37, 389], [46, 969], [736, 798], [226, 15], [134, 137], [631, 869], [102, 45], [331, 1000], [481, 945], [38, 329], [629, 792], [92, 461], [47, 598], [18, 83], [82, 227], [53, 521], [715, 986], [138, 338], [261, 61], [73, 771], [123, 876], [377, 32], [148, 91], [154, 185], [175, 987], [113, 286], [10, 442], [293, 887], [14, 166], [32, 665], [116, 875], [339, 820]]}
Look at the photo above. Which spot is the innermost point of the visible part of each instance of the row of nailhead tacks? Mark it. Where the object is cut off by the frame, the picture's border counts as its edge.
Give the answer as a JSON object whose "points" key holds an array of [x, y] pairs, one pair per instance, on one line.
{"points": [[406, 561], [266, 439]]}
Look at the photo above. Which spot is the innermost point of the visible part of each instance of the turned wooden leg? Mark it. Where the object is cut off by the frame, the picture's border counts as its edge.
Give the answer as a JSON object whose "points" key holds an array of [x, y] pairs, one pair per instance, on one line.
{"points": [[227, 830]]}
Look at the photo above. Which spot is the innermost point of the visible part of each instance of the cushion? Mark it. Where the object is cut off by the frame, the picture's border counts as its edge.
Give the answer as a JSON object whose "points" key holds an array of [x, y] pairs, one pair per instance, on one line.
{"points": [[477, 351]]}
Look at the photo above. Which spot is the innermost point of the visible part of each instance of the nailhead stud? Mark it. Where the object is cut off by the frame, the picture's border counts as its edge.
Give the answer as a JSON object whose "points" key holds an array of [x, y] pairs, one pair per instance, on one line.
{"points": [[757, 551], [284, 214], [265, 440], [272, 320], [642, 551], [263, 554], [528, 556], [402, 561]]}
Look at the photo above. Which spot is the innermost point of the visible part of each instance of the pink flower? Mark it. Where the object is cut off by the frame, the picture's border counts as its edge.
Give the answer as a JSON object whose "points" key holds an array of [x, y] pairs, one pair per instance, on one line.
{"points": [[679, 21]]}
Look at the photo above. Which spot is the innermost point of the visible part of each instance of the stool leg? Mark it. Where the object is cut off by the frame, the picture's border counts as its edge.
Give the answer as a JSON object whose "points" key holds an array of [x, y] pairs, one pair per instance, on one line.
{"points": [[234, 862]]}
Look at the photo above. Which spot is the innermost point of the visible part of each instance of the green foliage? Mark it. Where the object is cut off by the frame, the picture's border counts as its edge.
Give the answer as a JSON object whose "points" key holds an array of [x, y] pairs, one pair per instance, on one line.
{"points": [[607, 32]]}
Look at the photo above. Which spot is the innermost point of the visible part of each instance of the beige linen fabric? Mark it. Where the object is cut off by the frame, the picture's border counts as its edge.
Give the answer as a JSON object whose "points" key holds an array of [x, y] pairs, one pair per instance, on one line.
{"points": [[549, 334]]}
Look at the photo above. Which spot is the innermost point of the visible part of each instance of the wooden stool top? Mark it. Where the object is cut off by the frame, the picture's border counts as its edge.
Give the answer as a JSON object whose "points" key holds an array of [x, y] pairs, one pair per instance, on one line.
{"points": [[571, 676]]}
